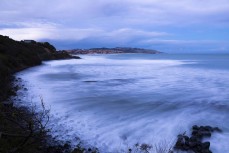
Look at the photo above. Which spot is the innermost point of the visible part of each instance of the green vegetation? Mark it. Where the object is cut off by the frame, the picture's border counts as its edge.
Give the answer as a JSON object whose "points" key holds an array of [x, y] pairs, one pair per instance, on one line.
{"points": [[16, 56], [24, 129]]}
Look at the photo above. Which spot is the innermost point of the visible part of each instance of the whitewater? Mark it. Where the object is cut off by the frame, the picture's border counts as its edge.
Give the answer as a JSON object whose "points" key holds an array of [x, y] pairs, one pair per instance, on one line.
{"points": [[113, 102]]}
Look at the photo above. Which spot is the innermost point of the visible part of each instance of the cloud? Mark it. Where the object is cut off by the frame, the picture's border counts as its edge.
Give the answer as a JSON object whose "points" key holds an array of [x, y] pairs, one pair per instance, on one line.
{"points": [[120, 21], [24, 30], [40, 31], [127, 11]]}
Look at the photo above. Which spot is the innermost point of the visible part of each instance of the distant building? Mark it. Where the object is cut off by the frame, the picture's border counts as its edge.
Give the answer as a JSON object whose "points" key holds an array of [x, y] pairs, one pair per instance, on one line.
{"points": [[28, 41]]}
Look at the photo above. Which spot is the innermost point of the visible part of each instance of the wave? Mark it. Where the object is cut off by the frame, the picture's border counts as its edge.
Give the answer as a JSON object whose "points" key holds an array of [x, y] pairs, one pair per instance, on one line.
{"points": [[113, 104]]}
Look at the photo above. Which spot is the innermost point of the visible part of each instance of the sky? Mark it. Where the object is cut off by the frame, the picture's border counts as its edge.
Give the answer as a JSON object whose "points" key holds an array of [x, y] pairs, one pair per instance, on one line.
{"points": [[184, 26]]}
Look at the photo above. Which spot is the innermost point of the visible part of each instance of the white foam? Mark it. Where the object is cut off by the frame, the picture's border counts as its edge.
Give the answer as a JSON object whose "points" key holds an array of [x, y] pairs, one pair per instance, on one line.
{"points": [[113, 104]]}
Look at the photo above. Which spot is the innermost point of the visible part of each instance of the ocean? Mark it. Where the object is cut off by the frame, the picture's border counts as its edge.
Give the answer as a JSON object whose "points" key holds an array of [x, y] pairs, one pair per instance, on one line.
{"points": [[113, 102]]}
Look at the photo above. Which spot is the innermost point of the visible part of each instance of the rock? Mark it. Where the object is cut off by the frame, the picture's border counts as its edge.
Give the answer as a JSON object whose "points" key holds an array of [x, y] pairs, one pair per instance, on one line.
{"points": [[186, 138], [194, 143], [217, 129], [185, 148], [195, 127], [194, 132], [208, 128], [205, 145], [203, 133], [180, 142]]}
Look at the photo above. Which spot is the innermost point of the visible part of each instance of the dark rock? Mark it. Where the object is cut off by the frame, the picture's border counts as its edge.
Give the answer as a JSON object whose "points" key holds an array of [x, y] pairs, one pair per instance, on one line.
{"points": [[208, 128], [217, 129], [186, 138], [194, 143], [203, 133], [195, 127], [186, 147], [205, 145], [180, 142], [194, 132]]}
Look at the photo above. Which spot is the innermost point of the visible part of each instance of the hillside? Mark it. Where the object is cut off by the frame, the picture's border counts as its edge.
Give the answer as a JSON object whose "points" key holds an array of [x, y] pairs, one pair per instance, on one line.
{"points": [[18, 55], [21, 128]]}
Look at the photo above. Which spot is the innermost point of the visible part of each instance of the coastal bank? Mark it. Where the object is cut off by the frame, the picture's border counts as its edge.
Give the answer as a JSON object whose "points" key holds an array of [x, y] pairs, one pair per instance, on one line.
{"points": [[23, 129]]}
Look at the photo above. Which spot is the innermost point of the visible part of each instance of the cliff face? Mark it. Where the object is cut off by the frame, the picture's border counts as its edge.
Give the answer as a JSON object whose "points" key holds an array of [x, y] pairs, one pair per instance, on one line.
{"points": [[18, 55]]}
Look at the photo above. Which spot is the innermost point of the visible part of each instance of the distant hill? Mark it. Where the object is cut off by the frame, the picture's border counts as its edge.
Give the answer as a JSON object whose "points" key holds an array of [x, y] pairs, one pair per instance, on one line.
{"points": [[117, 50]]}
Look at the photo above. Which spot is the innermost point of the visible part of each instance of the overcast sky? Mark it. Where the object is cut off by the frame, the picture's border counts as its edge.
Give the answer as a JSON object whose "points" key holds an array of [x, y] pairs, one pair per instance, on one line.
{"points": [[165, 25]]}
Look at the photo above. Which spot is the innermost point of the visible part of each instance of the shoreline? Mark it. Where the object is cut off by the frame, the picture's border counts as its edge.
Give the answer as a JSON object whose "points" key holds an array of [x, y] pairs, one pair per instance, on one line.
{"points": [[44, 71], [22, 129], [14, 105], [35, 138], [51, 145], [31, 128]]}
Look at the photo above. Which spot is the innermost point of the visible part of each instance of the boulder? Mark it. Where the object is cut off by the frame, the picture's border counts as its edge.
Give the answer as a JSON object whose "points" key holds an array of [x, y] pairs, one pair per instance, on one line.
{"points": [[194, 142]]}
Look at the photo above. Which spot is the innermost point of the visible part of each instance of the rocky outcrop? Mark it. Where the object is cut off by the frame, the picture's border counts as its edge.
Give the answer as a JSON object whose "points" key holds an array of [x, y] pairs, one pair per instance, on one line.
{"points": [[194, 143]]}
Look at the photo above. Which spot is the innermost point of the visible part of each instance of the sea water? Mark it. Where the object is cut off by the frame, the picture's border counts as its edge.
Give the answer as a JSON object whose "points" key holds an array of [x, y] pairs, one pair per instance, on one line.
{"points": [[113, 102]]}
